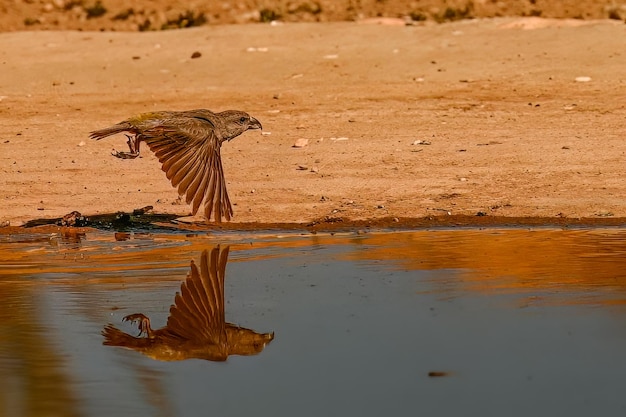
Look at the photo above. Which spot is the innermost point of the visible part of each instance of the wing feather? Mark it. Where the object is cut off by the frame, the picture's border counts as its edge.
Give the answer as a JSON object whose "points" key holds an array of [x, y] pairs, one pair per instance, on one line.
{"points": [[189, 151], [195, 185], [198, 312]]}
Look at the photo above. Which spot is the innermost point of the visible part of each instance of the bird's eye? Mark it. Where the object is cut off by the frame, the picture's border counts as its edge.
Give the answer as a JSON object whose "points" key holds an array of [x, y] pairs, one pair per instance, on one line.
{"points": [[242, 120]]}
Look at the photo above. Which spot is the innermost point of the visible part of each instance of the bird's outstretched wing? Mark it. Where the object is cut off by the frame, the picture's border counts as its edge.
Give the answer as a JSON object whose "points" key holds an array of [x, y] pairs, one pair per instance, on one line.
{"points": [[198, 310], [189, 151]]}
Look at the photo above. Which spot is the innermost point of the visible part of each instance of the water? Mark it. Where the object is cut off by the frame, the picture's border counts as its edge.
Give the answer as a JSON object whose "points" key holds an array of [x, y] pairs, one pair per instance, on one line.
{"points": [[518, 322]]}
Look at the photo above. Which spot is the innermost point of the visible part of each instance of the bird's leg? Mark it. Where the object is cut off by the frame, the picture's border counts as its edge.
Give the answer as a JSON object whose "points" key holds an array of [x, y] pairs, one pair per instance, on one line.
{"points": [[143, 323], [133, 146]]}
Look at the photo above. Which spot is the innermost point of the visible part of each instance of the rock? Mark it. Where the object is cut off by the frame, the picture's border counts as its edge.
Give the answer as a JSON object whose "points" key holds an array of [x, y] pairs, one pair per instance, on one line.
{"points": [[301, 143], [583, 79], [195, 55], [142, 211], [73, 219]]}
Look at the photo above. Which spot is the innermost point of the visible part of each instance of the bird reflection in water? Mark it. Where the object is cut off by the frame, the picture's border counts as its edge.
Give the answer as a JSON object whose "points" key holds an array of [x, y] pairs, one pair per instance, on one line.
{"points": [[196, 326]]}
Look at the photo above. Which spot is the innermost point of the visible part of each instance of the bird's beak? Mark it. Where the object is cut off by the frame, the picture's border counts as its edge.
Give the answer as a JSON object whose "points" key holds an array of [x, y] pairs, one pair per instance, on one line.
{"points": [[254, 124]]}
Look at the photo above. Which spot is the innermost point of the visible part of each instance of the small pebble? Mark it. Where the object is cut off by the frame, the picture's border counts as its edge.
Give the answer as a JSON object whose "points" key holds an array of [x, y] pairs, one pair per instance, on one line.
{"points": [[301, 143], [582, 79], [196, 55]]}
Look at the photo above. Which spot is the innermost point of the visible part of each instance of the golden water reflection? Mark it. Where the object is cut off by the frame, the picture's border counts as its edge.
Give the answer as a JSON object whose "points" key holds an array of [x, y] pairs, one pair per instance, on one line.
{"points": [[575, 261], [571, 261]]}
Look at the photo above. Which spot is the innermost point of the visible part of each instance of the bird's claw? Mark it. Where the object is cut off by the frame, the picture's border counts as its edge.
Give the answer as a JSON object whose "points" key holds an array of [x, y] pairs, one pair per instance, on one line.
{"points": [[124, 155], [133, 147], [143, 325]]}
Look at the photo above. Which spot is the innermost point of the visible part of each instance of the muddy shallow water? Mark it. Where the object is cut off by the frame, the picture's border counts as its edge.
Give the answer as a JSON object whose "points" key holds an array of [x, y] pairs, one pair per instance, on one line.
{"points": [[445, 322]]}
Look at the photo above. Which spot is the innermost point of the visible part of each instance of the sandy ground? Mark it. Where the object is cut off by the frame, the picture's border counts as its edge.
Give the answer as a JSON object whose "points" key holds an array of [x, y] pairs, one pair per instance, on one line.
{"points": [[401, 121]]}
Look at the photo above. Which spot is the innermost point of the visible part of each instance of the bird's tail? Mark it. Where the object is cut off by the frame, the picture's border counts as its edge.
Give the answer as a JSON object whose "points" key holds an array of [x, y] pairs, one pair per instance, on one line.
{"points": [[111, 130], [115, 337]]}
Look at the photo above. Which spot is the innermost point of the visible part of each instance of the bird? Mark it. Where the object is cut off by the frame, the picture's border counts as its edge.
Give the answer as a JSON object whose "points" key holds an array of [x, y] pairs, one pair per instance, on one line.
{"points": [[196, 326], [187, 144]]}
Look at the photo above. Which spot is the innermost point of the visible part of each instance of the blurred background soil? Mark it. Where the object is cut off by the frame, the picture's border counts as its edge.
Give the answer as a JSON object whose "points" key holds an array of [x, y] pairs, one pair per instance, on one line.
{"points": [[143, 15]]}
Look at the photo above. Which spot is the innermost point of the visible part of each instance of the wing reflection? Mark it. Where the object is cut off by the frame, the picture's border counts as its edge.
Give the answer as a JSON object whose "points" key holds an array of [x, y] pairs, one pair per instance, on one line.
{"points": [[196, 326]]}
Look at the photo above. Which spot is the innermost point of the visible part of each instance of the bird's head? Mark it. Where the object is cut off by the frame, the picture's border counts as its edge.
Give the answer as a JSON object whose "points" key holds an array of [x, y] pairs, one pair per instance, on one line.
{"points": [[236, 122]]}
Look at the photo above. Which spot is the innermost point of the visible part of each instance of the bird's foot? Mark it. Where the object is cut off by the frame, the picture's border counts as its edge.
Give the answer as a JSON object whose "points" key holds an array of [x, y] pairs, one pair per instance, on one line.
{"points": [[143, 323], [124, 155], [133, 147]]}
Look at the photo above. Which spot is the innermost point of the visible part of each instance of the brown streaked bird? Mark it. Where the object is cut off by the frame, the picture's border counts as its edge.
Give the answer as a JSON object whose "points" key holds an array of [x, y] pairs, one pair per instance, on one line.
{"points": [[187, 144], [196, 327]]}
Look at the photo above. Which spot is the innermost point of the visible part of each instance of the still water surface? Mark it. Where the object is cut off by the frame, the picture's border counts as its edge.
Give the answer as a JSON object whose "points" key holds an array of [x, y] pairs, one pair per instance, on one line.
{"points": [[518, 322]]}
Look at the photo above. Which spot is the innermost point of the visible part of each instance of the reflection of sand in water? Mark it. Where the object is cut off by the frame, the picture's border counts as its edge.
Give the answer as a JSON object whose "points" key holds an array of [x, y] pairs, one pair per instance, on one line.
{"points": [[546, 260], [504, 259], [36, 380]]}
